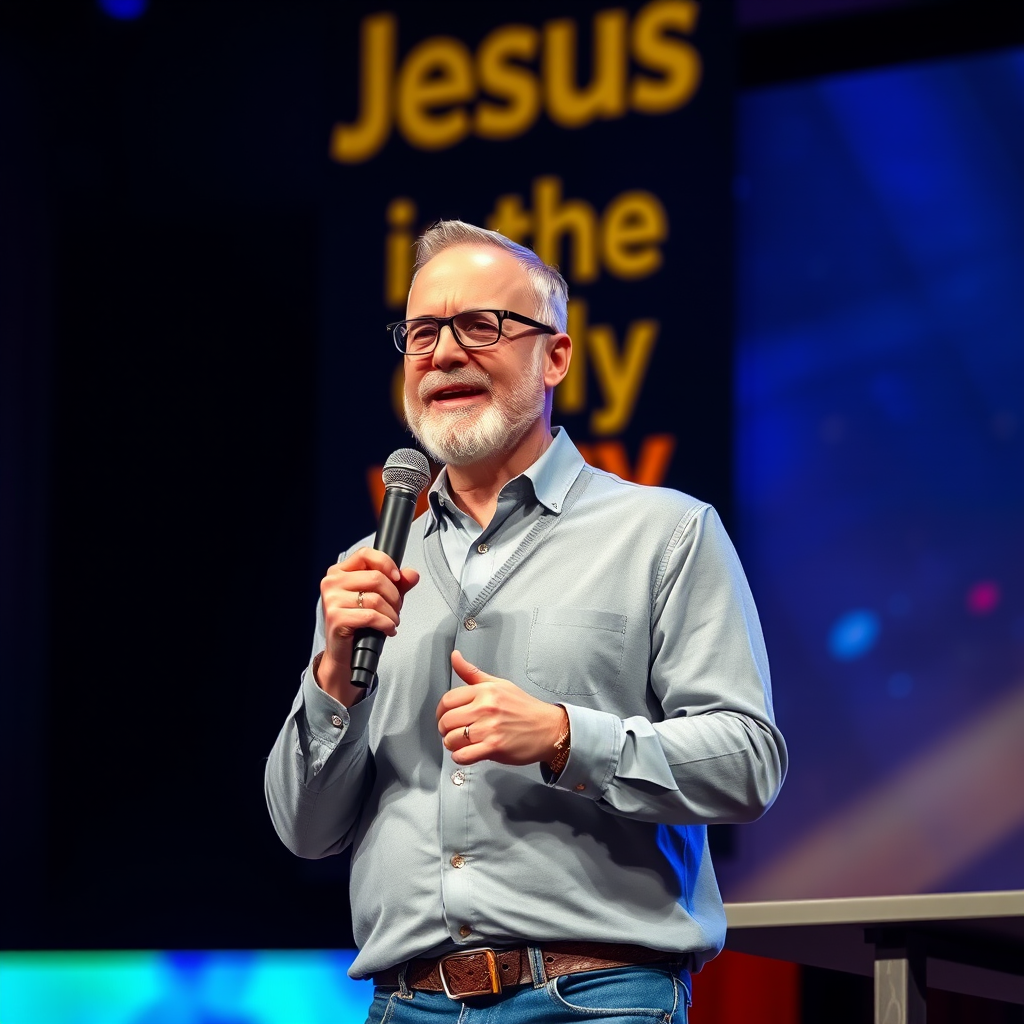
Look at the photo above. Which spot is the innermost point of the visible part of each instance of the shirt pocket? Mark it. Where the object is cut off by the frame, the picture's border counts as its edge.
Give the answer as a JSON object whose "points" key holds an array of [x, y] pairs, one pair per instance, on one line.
{"points": [[575, 651]]}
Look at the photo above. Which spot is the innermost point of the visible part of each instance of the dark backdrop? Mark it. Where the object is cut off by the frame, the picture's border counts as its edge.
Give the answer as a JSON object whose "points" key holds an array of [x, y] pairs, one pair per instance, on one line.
{"points": [[159, 278]]}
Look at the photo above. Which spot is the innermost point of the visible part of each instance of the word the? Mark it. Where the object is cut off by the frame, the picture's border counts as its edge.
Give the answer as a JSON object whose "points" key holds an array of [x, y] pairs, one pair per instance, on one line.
{"points": [[442, 93], [626, 238]]}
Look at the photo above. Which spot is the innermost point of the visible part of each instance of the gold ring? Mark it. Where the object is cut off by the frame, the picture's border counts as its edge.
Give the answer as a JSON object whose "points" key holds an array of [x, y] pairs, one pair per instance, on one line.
{"points": [[359, 599], [465, 732]]}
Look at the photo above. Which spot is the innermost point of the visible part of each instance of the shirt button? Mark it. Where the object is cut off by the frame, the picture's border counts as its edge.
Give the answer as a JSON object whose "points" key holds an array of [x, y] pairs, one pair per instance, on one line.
{"points": [[458, 777], [465, 931], [580, 787], [458, 861], [336, 720], [481, 549], [470, 623]]}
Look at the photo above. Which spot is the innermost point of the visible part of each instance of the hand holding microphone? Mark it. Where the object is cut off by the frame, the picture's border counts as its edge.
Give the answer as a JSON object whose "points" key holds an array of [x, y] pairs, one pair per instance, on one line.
{"points": [[362, 596]]}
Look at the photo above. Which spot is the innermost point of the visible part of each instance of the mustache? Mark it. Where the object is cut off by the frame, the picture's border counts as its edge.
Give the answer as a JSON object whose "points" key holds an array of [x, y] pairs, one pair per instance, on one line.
{"points": [[438, 379]]}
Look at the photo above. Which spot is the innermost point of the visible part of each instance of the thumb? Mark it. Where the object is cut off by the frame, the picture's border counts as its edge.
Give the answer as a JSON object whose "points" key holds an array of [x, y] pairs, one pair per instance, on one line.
{"points": [[467, 671], [410, 577]]}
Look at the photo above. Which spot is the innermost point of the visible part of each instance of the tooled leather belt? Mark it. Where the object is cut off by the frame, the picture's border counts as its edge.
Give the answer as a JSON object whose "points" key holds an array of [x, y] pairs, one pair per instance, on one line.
{"points": [[480, 972]]}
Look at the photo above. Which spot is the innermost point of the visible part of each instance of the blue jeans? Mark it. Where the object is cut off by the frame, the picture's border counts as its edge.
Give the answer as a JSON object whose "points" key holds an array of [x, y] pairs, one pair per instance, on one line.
{"points": [[625, 995]]}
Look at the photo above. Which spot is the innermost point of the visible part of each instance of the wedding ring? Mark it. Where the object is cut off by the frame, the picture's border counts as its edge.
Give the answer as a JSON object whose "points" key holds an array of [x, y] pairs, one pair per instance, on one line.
{"points": [[465, 732], [359, 599]]}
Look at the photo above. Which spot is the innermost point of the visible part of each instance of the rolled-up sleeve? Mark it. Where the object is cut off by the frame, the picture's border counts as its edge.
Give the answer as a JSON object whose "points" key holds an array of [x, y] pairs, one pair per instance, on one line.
{"points": [[717, 755]]}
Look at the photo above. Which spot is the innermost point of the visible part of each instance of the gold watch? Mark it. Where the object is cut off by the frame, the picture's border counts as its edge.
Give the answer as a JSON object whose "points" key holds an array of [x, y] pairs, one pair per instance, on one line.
{"points": [[562, 746]]}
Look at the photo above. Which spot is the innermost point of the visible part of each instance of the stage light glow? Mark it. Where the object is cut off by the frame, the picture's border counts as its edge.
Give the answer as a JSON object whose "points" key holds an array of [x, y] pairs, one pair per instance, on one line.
{"points": [[854, 634], [193, 987], [983, 597], [124, 10]]}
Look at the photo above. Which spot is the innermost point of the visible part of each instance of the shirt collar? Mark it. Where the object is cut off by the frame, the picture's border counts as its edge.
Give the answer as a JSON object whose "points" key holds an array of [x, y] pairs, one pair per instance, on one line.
{"points": [[551, 476], [555, 471]]}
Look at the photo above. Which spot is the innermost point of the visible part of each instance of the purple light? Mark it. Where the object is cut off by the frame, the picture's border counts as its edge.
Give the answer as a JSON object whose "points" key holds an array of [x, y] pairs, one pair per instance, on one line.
{"points": [[983, 597]]}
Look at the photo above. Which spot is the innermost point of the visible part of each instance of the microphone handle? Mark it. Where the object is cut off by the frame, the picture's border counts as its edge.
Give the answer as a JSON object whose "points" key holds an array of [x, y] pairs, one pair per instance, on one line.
{"points": [[396, 516]]}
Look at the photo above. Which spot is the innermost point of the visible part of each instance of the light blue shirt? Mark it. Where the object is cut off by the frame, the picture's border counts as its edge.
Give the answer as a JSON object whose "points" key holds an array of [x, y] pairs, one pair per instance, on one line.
{"points": [[473, 552], [628, 606]]}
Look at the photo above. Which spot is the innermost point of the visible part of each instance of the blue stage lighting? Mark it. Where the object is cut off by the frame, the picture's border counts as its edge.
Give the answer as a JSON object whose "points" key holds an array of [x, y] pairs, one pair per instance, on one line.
{"points": [[854, 634], [124, 10]]}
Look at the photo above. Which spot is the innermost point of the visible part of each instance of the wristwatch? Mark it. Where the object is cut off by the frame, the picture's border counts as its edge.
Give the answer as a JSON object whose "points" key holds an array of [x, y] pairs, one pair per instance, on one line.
{"points": [[562, 746]]}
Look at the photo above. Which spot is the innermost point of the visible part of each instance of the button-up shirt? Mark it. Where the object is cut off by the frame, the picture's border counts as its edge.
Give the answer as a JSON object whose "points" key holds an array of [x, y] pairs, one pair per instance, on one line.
{"points": [[474, 552], [626, 605]]}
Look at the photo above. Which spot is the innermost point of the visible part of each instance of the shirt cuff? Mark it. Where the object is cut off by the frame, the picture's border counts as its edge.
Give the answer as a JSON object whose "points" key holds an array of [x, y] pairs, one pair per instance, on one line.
{"points": [[328, 723], [595, 742]]}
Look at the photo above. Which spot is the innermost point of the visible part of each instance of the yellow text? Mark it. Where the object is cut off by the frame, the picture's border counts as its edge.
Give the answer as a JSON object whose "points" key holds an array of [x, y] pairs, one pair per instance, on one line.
{"points": [[442, 92]]}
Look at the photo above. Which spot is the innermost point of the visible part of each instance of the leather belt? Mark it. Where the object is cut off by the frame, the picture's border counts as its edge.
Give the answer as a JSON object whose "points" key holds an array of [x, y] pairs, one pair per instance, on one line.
{"points": [[485, 972]]}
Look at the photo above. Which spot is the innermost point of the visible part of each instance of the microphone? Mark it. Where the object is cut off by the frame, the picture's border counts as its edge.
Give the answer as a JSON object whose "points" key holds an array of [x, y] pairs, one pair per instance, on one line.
{"points": [[405, 475]]}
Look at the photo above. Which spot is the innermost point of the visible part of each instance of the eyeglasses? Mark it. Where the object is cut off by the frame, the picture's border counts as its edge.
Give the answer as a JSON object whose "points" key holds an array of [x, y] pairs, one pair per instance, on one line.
{"points": [[475, 328]]}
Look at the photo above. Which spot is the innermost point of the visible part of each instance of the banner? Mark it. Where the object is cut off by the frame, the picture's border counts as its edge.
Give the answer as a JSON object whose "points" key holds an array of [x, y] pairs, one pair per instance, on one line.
{"points": [[598, 136]]}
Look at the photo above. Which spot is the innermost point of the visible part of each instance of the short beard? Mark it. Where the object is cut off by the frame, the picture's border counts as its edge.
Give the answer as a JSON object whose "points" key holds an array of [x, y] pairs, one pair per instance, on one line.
{"points": [[460, 437]]}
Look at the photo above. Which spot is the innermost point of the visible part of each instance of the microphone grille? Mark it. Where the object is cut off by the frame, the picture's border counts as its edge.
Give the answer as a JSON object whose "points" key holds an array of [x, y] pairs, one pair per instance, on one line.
{"points": [[408, 468]]}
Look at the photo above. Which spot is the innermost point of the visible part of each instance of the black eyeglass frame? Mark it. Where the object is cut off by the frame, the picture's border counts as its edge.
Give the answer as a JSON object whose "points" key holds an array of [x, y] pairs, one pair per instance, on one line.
{"points": [[441, 321]]}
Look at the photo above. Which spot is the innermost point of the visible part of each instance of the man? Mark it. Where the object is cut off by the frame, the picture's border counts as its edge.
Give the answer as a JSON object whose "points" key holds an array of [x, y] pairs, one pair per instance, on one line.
{"points": [[575, 685]]}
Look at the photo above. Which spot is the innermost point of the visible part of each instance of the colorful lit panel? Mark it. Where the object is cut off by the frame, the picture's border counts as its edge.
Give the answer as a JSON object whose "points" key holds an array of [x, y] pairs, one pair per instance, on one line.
{"points": [[227, 987], [880, 473]]}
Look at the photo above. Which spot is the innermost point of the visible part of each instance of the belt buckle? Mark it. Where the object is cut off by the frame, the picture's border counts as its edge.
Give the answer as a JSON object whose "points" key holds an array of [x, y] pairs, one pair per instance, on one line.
{"points": [[492, 970]]}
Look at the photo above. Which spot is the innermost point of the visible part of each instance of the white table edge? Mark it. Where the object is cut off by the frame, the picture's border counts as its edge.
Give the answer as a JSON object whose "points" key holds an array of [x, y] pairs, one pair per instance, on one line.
{"points": [[947, 906]]}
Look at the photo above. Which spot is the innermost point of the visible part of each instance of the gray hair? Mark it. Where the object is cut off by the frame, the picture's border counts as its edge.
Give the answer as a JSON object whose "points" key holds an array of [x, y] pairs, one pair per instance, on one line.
{"points": [[549, 287]]}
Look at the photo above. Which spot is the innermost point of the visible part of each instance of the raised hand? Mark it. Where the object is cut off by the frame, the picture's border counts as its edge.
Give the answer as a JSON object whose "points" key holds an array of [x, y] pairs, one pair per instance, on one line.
{"points": [[492, 719]]}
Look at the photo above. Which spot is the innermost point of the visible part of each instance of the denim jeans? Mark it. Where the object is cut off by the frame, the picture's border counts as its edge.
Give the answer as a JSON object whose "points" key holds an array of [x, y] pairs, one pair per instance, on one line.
{"points": [[625, 995]]}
